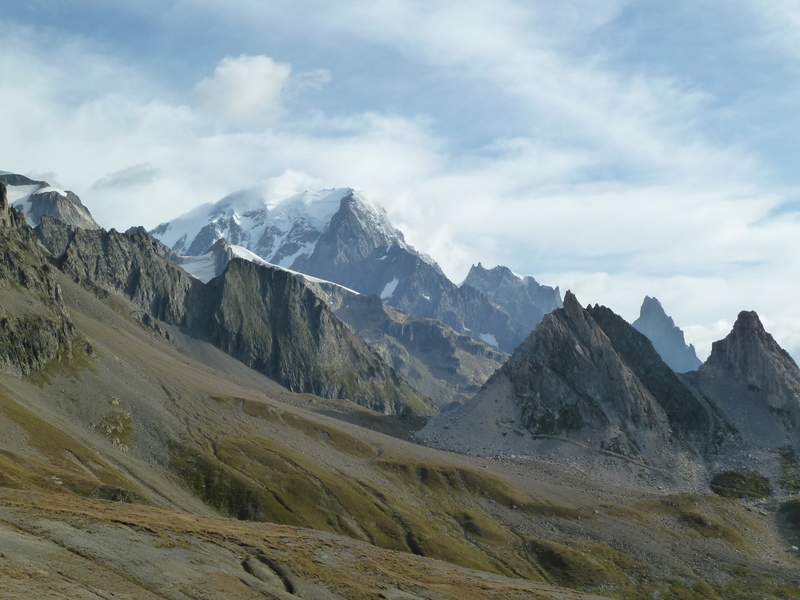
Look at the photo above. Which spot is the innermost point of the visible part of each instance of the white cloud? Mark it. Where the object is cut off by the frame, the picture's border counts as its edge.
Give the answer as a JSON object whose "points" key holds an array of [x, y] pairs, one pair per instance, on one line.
{"points": [[135, 175], [247, 90]]}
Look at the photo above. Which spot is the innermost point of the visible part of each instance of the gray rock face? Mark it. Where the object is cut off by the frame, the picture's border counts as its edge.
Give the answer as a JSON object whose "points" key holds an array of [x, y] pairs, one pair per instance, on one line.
{"points": [[439, 362], [586, 385], [752, 357], [35, 327], [36, 199], [264, 317], [354, 245], [667, 338], [525, 299], [272, 322], [692, 418]]}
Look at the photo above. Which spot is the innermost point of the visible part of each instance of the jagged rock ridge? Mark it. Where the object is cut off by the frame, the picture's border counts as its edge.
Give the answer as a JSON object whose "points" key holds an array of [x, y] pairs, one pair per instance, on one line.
{"points": [[35, 327], [586, 386], [522, 297], [667, 338]]}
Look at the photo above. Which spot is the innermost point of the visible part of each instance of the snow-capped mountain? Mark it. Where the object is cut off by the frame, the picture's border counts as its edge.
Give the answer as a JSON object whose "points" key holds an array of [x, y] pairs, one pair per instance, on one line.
{"points": [[281, 230], [38, 198], [339, 235]]}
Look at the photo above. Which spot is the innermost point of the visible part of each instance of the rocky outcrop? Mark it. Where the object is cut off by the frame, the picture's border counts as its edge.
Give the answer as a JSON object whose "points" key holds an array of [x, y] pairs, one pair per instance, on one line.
{"points": [[36, 199], [667, 338], [35, 328], [262, 316], [525, 299], [585, 387], [752, 357]]}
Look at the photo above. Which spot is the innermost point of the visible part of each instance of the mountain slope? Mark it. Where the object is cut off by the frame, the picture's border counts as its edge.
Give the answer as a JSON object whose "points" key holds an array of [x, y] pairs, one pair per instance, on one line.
{"points": [[36, 328], [752, 356], [586, 387], [436, 360], [757, 385], [340, 236], [262, 316], [667, 338]]}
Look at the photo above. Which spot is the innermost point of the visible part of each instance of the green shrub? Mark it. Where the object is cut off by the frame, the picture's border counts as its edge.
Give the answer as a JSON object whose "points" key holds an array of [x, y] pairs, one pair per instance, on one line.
{"points": [[738, 484]]}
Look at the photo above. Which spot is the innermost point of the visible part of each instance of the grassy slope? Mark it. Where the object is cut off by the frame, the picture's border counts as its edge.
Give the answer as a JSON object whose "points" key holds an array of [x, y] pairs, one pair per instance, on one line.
{"points": [[249, 449]]}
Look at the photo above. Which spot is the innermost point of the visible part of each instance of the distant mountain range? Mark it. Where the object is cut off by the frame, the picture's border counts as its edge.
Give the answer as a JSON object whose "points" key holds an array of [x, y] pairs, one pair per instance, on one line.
{"points": [[340, 236], [584, 386]]}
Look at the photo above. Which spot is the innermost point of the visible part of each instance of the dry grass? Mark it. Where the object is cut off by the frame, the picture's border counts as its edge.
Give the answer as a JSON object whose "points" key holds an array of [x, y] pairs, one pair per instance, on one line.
{"points": [[61, 451], [351, 569]]}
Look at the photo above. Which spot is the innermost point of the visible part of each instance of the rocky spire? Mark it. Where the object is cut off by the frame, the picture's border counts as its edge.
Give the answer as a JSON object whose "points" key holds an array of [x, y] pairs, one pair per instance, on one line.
{"points": [[752, 355], [666, 337], [587, 387]]}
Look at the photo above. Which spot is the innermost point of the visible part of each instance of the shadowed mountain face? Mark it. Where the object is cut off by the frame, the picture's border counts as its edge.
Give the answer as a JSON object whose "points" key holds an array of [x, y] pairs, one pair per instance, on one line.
{"points": [[523, 298], [666, 337], [339, 236], [438, 361], [435, 359], [586, 385], [35, 327], [691, 417], [264, 317]]}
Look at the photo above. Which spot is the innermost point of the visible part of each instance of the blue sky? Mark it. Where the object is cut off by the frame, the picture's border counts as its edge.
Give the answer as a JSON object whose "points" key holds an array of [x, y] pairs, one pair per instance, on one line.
{"points": [[617, 148]]}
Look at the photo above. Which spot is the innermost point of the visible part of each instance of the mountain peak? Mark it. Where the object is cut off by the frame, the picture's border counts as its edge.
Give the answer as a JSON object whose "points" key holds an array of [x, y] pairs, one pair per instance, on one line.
{"points": [[751, 355], [667, 338], [652, 309], [748, 322], [570, 300], [343, 237], [747, 344], [282, 229], [38, 198], [585, 384]]}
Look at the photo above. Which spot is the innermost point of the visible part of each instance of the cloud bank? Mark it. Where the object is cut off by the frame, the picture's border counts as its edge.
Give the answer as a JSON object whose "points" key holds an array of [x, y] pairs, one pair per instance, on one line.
{"points": [[246, 89]]}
